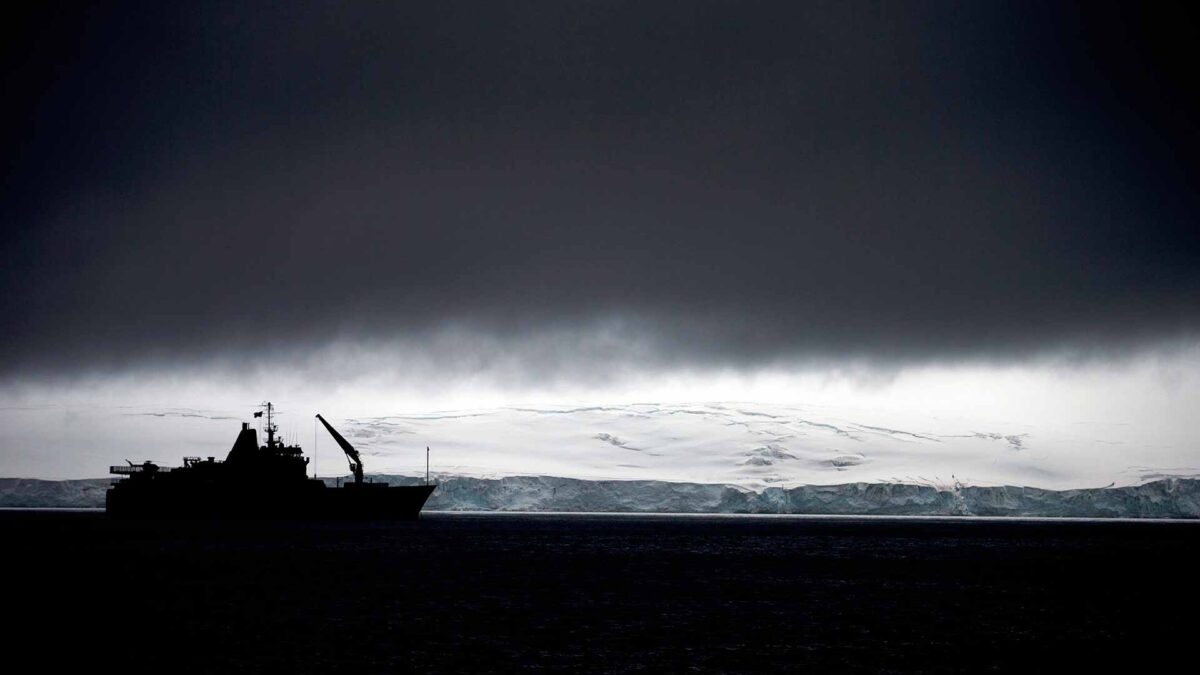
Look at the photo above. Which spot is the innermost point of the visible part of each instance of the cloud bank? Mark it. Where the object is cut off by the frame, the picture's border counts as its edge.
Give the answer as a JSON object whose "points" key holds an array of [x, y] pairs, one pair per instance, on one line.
{"points": [[540, 190]]}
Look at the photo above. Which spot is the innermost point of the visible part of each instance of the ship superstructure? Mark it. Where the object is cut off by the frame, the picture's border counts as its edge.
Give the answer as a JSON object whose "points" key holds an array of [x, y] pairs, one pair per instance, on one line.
{"points": [[257, 481]]}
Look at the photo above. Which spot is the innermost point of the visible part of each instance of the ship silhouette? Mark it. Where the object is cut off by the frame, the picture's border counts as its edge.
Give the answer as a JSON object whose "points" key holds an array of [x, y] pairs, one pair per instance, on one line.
{"points": [[253, 481]]}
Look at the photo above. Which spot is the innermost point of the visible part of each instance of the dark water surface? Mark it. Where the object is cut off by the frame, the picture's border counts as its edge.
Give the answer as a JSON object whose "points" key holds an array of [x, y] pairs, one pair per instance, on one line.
{"points": [[485, 593]]}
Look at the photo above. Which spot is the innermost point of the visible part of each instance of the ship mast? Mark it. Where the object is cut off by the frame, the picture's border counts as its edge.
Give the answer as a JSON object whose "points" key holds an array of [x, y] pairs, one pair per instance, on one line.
{"points": [[270, 428]]}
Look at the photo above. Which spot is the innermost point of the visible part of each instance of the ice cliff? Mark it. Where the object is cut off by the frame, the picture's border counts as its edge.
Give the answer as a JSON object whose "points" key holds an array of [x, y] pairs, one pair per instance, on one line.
{"points": [[1166, 498], [62, 494]]}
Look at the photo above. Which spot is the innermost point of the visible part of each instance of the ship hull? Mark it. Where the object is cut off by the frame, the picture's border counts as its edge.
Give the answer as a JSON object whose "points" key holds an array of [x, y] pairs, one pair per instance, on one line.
{"points": [[310, 500]]}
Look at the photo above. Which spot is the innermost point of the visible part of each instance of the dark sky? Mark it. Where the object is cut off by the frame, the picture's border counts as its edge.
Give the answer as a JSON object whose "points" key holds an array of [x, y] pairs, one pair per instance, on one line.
{"points": [[734, 183]]}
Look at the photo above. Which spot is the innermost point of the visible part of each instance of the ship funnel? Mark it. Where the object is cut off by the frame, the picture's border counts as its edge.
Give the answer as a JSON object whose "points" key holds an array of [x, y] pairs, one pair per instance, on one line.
{"points": [[246, 446]]}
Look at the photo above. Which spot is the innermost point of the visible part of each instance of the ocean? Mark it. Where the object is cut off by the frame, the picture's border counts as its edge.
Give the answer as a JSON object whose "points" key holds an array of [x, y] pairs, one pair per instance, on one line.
{"points": [[600, 593]]}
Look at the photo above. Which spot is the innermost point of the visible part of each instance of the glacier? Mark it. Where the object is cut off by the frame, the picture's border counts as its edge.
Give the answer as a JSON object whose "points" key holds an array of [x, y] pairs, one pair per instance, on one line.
{"points": [[716, 457]]}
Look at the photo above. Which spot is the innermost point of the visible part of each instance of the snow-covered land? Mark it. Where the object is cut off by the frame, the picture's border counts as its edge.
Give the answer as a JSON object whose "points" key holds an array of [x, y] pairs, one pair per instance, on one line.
{"points": [[760, 446], [750, 445], [1166, 498]]}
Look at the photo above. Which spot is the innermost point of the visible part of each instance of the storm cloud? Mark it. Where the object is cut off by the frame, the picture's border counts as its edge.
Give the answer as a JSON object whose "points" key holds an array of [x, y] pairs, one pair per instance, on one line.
{"points": [[681, 184]]}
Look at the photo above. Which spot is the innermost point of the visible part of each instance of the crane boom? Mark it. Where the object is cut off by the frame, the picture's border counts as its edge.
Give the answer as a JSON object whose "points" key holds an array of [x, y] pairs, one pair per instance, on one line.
{"points": [[351, 454]]}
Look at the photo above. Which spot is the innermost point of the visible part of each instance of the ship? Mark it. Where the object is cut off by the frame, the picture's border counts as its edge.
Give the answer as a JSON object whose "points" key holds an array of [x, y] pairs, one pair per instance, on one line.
{"points": [[259, 481]]}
